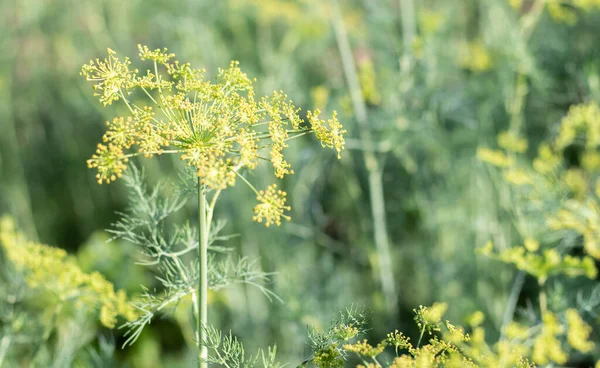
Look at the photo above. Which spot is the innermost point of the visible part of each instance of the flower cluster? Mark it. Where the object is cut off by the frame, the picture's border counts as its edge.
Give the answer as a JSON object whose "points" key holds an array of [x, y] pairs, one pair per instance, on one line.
{"points": [[219, 127], [429, 318], [271, 207], [449, 347], [51, 270], [544, 265], [567, 193]]}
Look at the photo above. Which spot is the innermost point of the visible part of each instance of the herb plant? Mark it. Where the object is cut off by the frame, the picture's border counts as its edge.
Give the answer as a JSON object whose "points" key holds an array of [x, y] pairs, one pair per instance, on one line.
{"points": [[220, 129]]}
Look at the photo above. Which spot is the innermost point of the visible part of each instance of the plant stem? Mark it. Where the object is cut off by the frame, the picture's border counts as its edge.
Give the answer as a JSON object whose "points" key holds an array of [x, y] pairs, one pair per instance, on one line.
{"points": [[409, 25], [421, 337], [511, 304], [373, 166], [4, 345], [202, 312], [543, 299]]}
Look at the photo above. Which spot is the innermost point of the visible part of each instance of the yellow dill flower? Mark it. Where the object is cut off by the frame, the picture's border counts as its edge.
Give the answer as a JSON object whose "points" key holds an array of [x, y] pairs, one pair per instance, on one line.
{"points": [[511, 142], [110, 162], [248, 146], [319, 96], [368, 82], [577, 183], [547, 160], [494, 157], [590, 160], [328, 357], [561, 13], [581, 119], [403, 361], [52, 271], [579, 332], [431, 21], [365, 349], [271, 207], [476, 319], [121, 132], [515, 330], [217, 126], [565, 12], [517, 177], [456, 333], [515, 4], [546, 346], [532, 245], [398, 340], [582, 217], [216, 173], [430, 317], [487, 249], [332, 135], [345, 332], [160, 56], [110, 76], [476, 57]]}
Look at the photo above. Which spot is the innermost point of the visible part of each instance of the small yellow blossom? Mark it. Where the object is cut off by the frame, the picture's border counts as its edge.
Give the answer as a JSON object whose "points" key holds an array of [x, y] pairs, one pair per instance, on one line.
{"points": [[475, 57], [547, 160], [496, 158], [476, 319], [579, 332], [332, 135], [532, 245], [546, 346], [363, 348], [345, 332], [110, 162], [271, 207], [111, 77], [511, 142], [517, 177], [515, 4]]}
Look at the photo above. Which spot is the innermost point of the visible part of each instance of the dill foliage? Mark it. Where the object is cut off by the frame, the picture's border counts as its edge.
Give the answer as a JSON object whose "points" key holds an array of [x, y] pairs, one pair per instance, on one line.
{"points": [[171, 252]]}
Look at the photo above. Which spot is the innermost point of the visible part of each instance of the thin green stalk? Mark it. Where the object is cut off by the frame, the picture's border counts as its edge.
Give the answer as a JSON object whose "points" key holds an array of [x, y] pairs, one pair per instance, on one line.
{"points": [[202, 312], [4, 345], [421, 336], [543, 299], [511, 304], [372, 164], [409, 24]]}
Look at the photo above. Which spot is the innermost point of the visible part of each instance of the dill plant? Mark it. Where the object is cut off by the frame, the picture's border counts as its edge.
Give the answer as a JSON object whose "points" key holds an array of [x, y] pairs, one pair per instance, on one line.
{"points": [[557, 215], [49, 306], [219, 129]]}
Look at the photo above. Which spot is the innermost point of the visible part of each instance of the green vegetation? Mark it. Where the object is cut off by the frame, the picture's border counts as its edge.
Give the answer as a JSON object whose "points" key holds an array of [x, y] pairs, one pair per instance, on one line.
{"points": [[454, 220]]}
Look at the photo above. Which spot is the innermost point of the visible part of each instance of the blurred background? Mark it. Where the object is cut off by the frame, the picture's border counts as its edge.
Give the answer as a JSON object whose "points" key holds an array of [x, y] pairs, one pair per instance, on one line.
{"points": [[419, 85]]}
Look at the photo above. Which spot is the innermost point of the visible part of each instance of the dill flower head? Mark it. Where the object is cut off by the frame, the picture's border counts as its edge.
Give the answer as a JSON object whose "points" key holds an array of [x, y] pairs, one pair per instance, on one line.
{"points": [[51, 271], [217, 127], [271, 207]]}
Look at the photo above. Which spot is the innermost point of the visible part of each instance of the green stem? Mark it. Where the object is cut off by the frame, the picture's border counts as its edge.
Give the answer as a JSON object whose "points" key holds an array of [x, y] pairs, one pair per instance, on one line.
{"points": [[202, 315], [421, 337], [409, 24], [543, 299], [4, 345], [247, 182], [373, 165]]}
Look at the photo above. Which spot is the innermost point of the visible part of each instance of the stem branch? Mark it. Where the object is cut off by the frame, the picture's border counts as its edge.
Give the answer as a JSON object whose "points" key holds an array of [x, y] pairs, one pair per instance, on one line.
{"points": [[373, 166], [202, 315]]}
